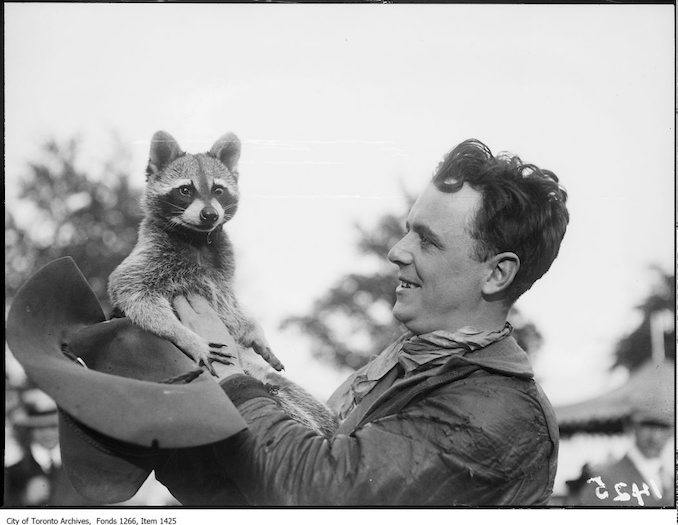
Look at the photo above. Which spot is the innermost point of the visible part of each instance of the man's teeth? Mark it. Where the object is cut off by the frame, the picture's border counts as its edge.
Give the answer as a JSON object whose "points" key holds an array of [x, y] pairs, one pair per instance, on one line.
{"points": [[405, 284]]}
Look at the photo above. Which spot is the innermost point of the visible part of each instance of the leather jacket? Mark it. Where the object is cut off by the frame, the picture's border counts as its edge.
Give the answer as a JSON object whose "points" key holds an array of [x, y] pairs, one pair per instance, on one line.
{"points": [[477, 431]]}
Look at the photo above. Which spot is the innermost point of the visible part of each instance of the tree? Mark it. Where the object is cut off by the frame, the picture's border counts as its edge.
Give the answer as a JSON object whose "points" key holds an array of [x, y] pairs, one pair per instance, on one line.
{"points": [[353, 320], [635, 348], [92, 217], [65, 210]]}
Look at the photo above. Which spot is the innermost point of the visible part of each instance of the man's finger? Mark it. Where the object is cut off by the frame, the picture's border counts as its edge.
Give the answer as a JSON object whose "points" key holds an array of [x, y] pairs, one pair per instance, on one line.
{"points": [[183, 308], [200, 305], [197, 315]]}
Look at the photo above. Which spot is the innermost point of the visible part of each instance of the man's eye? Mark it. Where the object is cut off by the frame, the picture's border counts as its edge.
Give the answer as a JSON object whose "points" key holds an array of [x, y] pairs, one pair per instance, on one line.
{"points": [[218, 190], [427, 242], [185, 190]]}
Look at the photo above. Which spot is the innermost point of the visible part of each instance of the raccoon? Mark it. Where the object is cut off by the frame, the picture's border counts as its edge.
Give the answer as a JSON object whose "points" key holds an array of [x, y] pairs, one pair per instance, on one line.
{"points": [[182, 249]]}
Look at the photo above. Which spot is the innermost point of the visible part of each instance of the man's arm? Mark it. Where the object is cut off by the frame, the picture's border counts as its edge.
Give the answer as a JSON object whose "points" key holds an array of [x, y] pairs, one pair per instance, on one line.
{"points": [[451, 448], [477, 443]]}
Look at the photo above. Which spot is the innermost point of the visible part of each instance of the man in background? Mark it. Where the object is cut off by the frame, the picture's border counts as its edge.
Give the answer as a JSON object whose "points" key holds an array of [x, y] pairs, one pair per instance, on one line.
{"points": [[34, 476], [644, 476]]}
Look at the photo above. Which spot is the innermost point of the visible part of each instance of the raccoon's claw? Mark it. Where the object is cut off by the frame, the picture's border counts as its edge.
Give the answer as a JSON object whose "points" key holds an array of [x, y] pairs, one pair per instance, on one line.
{"points": [[269, 356], [221, 357], [275, 363], [206, 355], [203, 358], [206, 363], [256, 340]]}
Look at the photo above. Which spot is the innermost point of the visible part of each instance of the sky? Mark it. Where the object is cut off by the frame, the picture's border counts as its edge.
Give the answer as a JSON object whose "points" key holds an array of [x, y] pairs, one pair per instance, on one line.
{"points": [[340, 107]]}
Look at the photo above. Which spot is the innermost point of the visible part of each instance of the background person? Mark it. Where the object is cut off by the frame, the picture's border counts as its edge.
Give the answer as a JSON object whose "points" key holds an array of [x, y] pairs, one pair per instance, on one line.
{"points": [[644, 476], [35, 476]]}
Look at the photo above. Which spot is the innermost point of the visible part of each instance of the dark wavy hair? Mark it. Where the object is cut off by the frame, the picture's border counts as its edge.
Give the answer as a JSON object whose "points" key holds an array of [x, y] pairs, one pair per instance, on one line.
{"points": [[522, 209]]}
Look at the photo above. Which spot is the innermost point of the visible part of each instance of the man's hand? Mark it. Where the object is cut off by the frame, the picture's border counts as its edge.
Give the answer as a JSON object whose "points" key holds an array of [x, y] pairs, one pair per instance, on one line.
{"points": [[196, 314]]}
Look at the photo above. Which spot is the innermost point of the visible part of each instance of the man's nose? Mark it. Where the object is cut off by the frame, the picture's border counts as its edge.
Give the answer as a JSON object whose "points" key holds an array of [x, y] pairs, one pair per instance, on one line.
{"points": [[399, 254]]}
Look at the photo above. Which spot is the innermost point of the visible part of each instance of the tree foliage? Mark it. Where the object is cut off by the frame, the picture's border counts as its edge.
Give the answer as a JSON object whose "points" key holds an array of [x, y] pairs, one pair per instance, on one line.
{"points": [[91, 216], [353, 320], [635, 348]]}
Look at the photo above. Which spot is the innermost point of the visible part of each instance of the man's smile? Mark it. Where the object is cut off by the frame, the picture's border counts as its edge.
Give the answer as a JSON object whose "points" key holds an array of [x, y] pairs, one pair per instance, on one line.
{"points": [[406, 284]]}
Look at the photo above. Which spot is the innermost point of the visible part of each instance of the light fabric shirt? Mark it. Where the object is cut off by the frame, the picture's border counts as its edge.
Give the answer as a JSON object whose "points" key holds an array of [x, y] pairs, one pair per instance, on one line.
{"points": [[652, 470], [47, 459]]}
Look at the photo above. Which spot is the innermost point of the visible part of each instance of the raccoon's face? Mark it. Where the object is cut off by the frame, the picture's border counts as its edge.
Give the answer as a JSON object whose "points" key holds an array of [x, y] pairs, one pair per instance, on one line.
{"points": [[194, 192]]}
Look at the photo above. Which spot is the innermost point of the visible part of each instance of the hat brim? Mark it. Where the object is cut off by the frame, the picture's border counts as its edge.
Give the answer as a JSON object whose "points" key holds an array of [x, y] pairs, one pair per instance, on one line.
{"points": [[116, 406], [653, 417], [37, 421], [56, 308]]}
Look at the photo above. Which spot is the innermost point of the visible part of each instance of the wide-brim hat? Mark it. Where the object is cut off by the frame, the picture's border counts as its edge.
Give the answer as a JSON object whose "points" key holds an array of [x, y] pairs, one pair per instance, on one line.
{"points": [[115, 385]]}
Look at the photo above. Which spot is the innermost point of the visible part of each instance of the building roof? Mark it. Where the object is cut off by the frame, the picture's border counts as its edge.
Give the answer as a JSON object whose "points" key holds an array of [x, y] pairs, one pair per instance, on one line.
{"points": [[649, 389]]}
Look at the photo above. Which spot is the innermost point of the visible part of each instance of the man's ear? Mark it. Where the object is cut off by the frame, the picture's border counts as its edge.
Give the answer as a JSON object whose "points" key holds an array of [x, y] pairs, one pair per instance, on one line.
{"points": [[503, 269]]}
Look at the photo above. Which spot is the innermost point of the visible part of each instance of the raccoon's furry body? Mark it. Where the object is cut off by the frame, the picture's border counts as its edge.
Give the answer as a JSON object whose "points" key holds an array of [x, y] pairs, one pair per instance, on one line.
{"points": [[162, 267], [182, 249]]}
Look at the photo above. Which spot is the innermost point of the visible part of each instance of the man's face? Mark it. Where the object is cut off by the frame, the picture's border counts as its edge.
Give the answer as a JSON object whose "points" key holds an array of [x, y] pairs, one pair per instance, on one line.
{"points": [[440, 281], [651, 439], [48, 437]]}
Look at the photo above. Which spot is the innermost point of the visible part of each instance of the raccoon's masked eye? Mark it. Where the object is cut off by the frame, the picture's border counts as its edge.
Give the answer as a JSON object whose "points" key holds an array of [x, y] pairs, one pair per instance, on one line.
{"points": [[218, 190], [185, 190]]}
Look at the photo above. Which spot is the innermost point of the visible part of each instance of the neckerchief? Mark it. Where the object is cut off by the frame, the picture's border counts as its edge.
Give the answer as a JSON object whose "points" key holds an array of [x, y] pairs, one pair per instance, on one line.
{"points": [[415, 352]]}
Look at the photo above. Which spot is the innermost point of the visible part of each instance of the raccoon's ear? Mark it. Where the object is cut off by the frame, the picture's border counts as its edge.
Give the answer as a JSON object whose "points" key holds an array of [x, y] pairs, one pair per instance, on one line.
{"points": [[227, 150], [164, 149]]}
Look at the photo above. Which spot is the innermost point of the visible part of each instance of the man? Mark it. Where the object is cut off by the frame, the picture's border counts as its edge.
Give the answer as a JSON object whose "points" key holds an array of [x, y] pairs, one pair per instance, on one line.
{"points": [[450, 413], [36, 478], [644, 476]]}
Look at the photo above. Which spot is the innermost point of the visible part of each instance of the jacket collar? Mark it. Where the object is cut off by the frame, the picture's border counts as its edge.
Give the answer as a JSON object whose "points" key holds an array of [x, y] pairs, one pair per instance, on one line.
{"points": [[504, 357]]}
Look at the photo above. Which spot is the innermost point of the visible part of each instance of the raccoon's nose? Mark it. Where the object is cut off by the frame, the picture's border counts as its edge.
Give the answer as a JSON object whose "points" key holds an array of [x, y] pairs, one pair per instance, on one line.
{"points": [[209, 214]]}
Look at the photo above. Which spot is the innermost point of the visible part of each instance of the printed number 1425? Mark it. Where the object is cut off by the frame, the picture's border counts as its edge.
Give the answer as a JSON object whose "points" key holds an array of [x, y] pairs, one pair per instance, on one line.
{"points": [[602, 493]]}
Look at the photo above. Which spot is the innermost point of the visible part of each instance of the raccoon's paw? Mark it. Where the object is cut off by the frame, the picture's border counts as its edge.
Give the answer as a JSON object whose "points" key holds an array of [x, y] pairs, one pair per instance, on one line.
{"points": [[256, 340], [204, 356], [264, 350]]}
